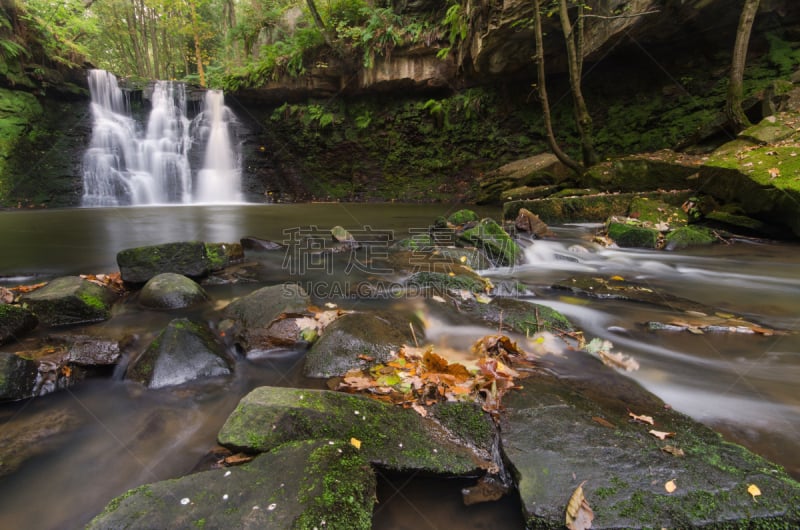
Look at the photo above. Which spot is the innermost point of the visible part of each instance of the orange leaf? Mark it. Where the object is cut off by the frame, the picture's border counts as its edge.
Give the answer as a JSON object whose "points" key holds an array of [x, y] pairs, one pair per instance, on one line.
{"points": [[642, 418]]}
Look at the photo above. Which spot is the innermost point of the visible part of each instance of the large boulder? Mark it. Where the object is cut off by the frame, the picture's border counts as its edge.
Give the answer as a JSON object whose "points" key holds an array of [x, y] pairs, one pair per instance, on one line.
{"points": [[15, 321], [389, 436], [17, 377], [664, 170], [310, 484], [356, 340], [70, 300], [265, 318], [195, 259], [498, 245], [539, 170], [171, 291], [182, 352], [561, 431]]}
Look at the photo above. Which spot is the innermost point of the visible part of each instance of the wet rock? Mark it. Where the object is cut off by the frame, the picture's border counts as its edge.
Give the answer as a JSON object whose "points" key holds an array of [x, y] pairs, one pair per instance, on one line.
{"points": [[351, 340], [517, 315], [310, 484], [254, 243], [529, 222], [633, 235], [498, 245], [15, 321], [625, 468], [257, 318], [171, 291], [17, 377], [343, 236], [192, 258], [24, 437], [182, 352], [440, 283], [529, 192], [689, 236], [391, 437], [70, 300]]}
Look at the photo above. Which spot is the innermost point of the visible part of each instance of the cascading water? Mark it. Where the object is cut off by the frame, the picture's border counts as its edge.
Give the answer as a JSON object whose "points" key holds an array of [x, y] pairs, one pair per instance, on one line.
{"points": [[127, 166], [220, 178]]}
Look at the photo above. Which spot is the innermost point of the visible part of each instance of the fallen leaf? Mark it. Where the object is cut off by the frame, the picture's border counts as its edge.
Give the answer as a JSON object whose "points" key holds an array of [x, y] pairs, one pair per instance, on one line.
{"points": [[579, 514], [774, 172], [670, 486], [642, 419], [753, 490], [619, 360], [673, 450], [661, 435], [419, 409], [238, 458], [355, 442], [602, 421]]}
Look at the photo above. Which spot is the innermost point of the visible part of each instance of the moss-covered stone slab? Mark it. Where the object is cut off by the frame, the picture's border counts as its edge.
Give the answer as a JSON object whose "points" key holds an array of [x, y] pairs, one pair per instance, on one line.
{"points": [[195, 259], [304, 485], [182, 352], [633, 235], [537, 170], [529, 192], [561, 430], [588, 208], [769, 130], [661, 170], [17, 377], [495, 241], [357, 340], [70, 300], [15, 321], [439, 283], [27, 436], [256, 317], [390, 436], [656, 212], [689, 236], [171, 291]]}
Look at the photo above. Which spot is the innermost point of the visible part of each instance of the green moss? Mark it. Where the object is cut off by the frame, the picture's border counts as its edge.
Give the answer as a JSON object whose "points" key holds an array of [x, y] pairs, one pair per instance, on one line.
{"points": [[688, 236], [93, 301], [495, 241], [467, 421], [115, 502], [462, 217], [441, 282], [631, 235]]}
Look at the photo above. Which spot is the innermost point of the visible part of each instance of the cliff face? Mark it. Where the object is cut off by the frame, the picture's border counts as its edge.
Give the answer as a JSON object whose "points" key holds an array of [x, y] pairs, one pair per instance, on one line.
{"points": [[500, 45]]}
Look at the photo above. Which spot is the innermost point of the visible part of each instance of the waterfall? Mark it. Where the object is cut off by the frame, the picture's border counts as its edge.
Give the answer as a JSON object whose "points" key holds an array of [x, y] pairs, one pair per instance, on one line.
{"points": [[126, 164], [220, 178]]}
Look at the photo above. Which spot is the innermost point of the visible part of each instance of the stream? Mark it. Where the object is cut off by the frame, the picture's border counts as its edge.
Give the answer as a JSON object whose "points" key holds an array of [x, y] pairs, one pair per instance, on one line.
{"points": [[121, 436]]}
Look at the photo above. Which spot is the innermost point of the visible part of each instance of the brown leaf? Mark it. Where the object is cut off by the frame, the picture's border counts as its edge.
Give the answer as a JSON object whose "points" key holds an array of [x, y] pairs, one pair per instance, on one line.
{"points": [[670, 486], [579, 514], [661, 435], [673, 450], [642, 419], [238, 458], [604, 422]]}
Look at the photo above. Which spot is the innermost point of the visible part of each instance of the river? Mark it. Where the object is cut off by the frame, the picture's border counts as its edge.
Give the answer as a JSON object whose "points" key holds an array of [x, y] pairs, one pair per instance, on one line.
{"points": [[745, 386]]}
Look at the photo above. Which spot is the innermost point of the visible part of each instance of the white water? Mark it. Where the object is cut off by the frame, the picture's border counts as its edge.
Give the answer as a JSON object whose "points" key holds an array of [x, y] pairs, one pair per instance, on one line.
{"points": [[128, 165]]}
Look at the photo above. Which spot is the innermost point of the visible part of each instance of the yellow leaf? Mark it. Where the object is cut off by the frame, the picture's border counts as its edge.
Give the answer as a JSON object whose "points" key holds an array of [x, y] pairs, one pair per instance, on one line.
{"points": [[753, 490], [355, 442], [670, 486], [617, 278], [579, 514]]}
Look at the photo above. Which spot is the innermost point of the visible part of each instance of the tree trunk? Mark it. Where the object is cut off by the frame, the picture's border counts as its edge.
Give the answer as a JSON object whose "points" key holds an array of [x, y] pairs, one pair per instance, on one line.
{"points": [[154, 45], [548, 122], [319, 23], [582, 117], [197, 49], [134, 35], [733, 105]]}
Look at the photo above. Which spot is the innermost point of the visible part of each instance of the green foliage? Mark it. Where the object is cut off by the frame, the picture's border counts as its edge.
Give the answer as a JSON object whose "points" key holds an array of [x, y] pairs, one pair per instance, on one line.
{"points": [[782, 54], [318, 114], [363, 120]]}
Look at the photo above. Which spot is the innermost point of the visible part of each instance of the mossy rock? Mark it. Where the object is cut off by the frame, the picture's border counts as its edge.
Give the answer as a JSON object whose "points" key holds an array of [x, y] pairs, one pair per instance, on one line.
{"points": [[539, 170], [184, 351], [303, 485], [767, 131], [171, 291], [553, 440], [498, 245], [739, 223], [70, 300], [15, 321], [654, 211], [439, 283], [462, 217], [194, 259], [661, 170], [391, 437], [529, 192], [633, 235], [17, 377], [689, 236]]}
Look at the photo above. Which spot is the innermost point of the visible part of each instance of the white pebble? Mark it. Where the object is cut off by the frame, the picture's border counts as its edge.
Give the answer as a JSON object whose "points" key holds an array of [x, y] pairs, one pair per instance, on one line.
{"points": [[227, 473], [272, 506], [225, 497], [185, 501]]}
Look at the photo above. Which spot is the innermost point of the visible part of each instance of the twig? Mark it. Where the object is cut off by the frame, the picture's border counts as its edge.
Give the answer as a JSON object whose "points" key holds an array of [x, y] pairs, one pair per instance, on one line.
{"points": [[414, 335]]}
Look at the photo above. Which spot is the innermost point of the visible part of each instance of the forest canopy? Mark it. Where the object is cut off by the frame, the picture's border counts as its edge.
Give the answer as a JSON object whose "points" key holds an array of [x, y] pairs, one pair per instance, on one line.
{"points": [[221, 43]]}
